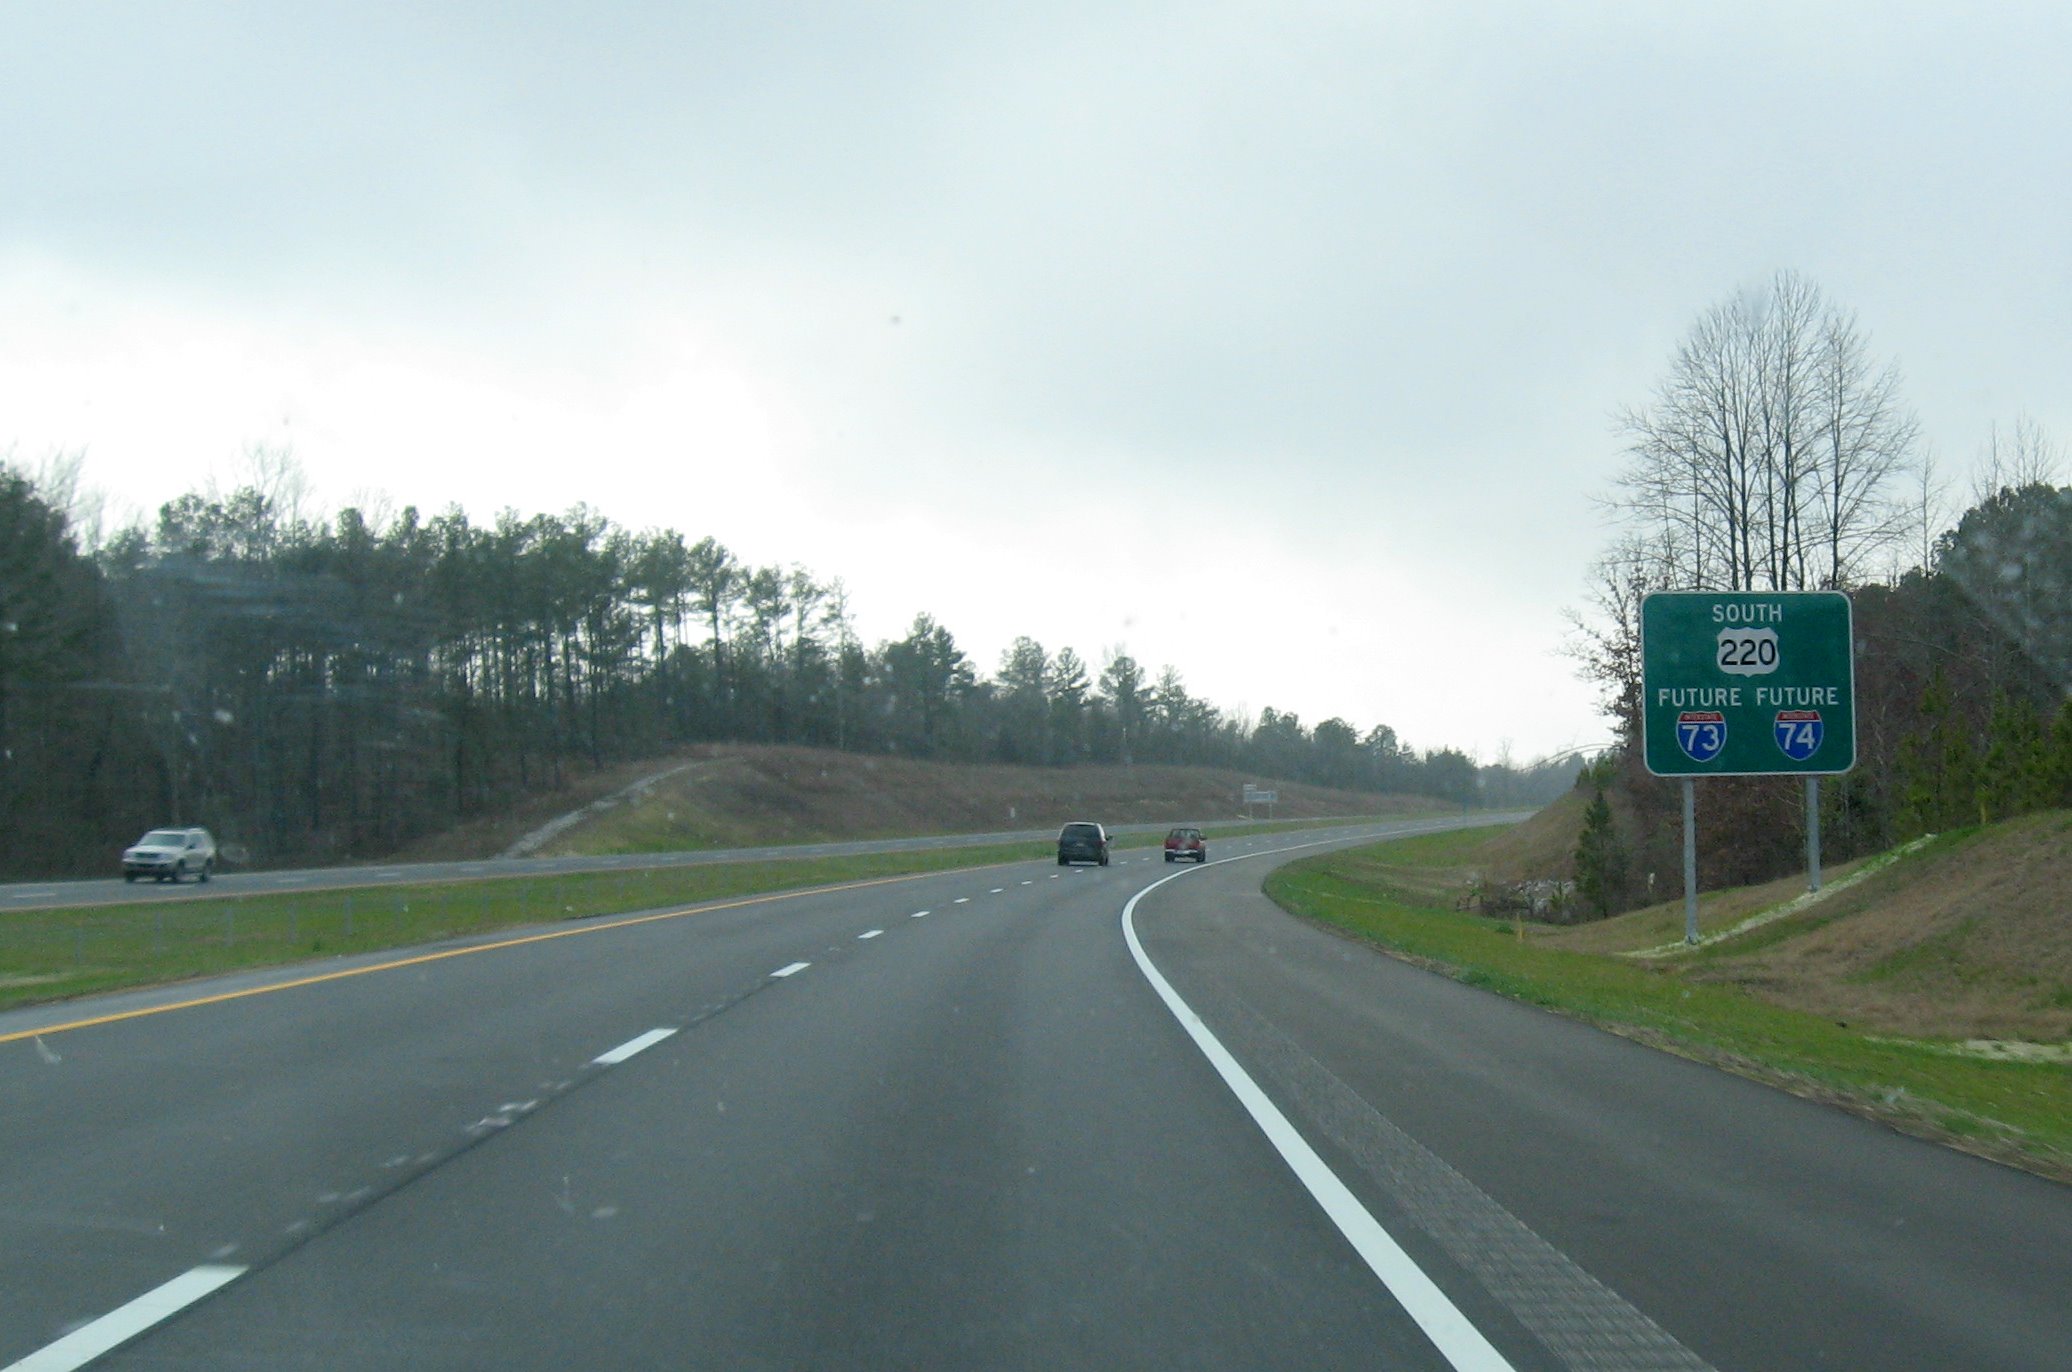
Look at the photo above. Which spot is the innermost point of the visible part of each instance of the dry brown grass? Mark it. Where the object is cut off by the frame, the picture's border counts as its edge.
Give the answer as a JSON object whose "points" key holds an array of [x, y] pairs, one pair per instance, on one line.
{"points": [[1663, 922], [747, 795], [489, 835], [1969, 939], [754, 795], [1972, 939], [1543, 846]]}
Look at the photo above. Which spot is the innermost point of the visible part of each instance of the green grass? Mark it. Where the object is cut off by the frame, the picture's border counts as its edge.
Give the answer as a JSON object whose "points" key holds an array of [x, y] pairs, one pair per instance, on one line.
{"points": [[54, 954], [1447, 848], [2015, 1110], [50, 955]]}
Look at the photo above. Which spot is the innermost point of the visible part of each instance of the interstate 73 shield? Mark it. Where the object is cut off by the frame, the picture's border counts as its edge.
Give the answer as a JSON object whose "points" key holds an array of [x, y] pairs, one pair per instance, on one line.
{"points": [[1701, 733]]}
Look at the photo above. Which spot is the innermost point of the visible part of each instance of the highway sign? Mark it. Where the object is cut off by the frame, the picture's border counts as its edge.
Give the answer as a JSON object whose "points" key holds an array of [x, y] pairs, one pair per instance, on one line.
{"points": [[1747, 683]]}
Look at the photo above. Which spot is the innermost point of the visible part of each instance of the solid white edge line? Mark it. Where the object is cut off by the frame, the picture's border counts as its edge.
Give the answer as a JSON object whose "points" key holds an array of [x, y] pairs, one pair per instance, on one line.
{"points": [[788, 970], [125, 1322], [1458, 1341], [639, 1044]]}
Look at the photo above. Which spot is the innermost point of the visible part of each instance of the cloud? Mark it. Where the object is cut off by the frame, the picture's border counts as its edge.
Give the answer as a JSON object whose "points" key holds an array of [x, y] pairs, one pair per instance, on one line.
{"points": [[1325, 305]]}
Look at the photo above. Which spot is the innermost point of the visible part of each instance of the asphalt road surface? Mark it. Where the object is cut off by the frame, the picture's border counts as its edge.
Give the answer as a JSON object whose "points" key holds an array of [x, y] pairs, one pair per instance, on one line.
{"points": [[974, 1119], [77, 891]]}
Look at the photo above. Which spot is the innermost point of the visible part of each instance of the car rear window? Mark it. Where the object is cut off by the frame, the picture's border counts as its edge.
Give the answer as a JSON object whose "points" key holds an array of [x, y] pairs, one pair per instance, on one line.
{"points": [[1081, 831]]}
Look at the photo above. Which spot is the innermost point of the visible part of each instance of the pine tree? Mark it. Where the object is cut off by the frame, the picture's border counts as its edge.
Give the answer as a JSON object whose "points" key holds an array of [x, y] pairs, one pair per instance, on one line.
{"points": [[2010, 776], [2057, 758], [1600, 858]]}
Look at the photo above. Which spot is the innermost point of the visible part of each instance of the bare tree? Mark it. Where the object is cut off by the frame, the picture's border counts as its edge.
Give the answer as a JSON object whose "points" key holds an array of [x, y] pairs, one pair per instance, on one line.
{"points": [[1691, 478], [1927, 512], [1768, 454], [59, 481], [1606, 644], [1786, 353], [277, 475], [2022, 455], [1867, 439]]}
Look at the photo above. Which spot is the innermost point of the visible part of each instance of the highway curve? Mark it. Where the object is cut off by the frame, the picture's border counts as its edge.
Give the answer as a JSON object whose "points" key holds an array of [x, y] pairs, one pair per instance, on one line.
{"points": [[969, 1119]]}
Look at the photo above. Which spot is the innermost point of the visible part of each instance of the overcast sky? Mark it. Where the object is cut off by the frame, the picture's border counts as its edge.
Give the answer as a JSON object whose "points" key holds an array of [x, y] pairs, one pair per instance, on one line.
{"points": [[1277, 342]]}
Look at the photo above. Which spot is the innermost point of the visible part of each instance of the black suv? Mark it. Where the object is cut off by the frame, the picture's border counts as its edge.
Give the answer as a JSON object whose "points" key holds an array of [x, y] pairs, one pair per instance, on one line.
{"points": [[1082, 842]]}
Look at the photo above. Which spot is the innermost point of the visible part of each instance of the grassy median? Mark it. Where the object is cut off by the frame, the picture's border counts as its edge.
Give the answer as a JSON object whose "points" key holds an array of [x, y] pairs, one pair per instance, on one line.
{"points": [[1398, 895], [56, 954]]}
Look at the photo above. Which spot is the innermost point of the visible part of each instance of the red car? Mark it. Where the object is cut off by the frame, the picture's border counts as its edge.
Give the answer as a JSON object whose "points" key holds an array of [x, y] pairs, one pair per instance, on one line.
{"points": [[1187, 843]]}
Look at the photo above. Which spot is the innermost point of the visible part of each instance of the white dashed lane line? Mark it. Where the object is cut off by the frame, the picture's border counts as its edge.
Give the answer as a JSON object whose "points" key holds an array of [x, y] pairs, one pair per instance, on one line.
{"points": [[638, 1044], [90, 1341]]}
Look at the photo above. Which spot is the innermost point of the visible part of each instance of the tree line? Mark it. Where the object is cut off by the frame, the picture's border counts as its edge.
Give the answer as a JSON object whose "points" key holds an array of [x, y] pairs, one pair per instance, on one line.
{"points": [[318, 689], [1778, 454]]}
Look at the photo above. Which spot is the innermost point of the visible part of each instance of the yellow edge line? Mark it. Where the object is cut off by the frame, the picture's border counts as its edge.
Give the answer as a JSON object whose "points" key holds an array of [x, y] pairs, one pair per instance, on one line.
{"points": [[420, 959]]}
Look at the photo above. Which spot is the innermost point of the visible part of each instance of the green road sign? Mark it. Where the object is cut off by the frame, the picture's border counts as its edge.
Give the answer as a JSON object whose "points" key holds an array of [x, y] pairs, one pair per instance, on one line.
{"points": [[1747, 683]]}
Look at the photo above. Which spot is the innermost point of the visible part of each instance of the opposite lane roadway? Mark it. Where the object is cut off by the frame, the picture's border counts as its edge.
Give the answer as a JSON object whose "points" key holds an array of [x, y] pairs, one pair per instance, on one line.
{"points": [[76, 891]]}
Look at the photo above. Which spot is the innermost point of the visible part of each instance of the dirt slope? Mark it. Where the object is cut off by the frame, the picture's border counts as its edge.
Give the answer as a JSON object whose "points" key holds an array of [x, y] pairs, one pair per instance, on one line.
{"points": [[1542, 847], [745, 795], [1972, 938]]}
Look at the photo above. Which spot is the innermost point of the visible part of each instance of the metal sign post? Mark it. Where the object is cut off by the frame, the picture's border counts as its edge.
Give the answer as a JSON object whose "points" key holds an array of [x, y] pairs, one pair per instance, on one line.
{"points": [[1812, 833], [1690, 800], [1747, 683]]}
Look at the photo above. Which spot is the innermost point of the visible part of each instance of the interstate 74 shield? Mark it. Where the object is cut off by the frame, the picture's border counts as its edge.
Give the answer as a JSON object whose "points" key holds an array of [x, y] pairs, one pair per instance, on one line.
{"points": [[1799, 733]]}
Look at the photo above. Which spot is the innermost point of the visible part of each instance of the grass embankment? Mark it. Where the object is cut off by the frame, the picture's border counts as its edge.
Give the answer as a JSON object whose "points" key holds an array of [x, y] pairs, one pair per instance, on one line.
{"points": [[56, 954], [1400, 896], [740, 796]]}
